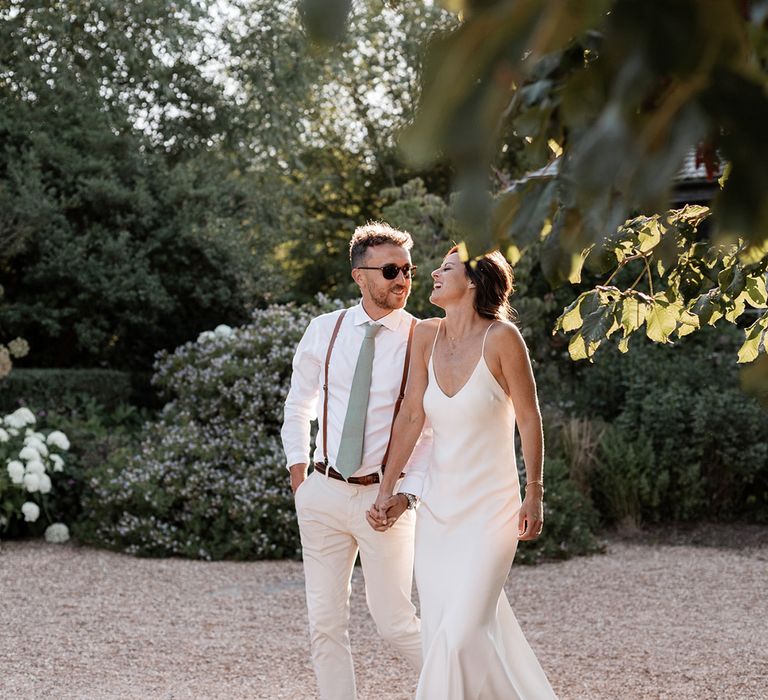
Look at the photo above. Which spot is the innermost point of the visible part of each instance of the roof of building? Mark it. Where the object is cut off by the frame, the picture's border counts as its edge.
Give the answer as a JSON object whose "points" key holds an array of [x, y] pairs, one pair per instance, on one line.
{"points": [[689, 171]]}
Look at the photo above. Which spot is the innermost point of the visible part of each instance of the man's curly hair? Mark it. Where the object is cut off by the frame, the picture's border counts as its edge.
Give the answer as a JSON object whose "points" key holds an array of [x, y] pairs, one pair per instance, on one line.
{"points": [[372, 234]]}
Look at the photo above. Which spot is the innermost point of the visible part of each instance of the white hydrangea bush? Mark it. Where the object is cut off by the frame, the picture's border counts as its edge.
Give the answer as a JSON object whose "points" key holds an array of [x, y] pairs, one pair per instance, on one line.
{"points": [[208, 479], [29, 459]]}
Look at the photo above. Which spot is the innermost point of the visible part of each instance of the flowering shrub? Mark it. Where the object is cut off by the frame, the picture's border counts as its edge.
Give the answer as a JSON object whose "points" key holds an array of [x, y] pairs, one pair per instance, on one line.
{"points": [[29, 457], [16, 348], [208, 479]]}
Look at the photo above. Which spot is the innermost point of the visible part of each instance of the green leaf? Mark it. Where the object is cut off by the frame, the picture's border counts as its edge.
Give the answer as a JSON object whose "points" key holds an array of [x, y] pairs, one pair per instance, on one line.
{"points": [[577, 263], [732, 281], [624, 344], [577, 348], [581, 349], [735, 307], [691, 215], [724, 177], [754, 252], [597, 324], [755, 340], [633, 314], [661, 321], [687, 322], [757, 295], [649, 236], [590, 303], [615, 318], [570, 319], [708, 308], [513, 255], [725, 277]]}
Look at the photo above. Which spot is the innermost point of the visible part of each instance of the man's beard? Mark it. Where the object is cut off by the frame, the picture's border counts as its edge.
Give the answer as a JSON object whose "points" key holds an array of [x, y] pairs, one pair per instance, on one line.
{"points": [[383, 301]]}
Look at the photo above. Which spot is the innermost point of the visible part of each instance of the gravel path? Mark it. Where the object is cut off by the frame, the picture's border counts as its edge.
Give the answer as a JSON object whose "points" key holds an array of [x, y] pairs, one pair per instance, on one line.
{"points": [[647, 619]]}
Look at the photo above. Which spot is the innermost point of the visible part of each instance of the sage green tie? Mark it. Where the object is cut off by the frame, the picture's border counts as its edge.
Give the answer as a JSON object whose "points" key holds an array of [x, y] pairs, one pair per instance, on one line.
{"points": [[351, 447]]}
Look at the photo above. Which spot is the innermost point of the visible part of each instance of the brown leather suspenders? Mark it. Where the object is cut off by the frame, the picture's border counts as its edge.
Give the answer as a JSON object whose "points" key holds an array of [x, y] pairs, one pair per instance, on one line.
{"points": [[406, 366], [400, 397], [325, 384]]}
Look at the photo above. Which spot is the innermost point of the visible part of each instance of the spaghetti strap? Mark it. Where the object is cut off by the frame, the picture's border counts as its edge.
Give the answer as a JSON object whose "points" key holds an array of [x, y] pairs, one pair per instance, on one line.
{"points": [[482, 350], [434, 342]]}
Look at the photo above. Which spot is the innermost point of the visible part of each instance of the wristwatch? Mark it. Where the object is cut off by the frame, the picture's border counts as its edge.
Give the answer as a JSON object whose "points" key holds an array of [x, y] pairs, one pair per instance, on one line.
{"points": [[413, 502]]}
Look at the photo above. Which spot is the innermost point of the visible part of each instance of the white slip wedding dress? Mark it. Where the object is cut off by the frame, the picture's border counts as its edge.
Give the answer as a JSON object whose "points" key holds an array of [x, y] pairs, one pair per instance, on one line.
{"points": [[466, 537]]}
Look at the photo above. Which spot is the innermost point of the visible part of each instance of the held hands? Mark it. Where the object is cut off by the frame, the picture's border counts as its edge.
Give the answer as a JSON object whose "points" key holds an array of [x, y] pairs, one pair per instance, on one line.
{"points": [[386, 510], [531, 519]]}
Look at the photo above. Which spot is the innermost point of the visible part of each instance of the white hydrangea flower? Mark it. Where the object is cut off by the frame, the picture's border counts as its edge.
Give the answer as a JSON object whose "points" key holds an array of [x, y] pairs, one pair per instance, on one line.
{"points": [[205, 335], [57, 533], [33, 433], [16, 471], [58, 439], [32, 482], [29, 453], [4, 436], [13, 432], [45, 483], [31, 511], [35, 466], [223, 330], [58, 463], [37, 444], [25, 415], [13, 421]]}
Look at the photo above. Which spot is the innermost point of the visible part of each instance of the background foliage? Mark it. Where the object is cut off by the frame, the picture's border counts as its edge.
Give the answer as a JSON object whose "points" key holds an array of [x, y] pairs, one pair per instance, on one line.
{"points": [[207, 479], [110, 187]]}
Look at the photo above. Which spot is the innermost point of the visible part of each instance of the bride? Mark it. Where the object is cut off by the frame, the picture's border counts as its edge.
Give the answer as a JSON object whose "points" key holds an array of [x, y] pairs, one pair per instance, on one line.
{"points": [[471, 377]]}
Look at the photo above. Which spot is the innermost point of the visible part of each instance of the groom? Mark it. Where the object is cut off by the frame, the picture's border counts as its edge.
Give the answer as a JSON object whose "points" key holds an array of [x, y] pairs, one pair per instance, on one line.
{"points": [[350, 372]]}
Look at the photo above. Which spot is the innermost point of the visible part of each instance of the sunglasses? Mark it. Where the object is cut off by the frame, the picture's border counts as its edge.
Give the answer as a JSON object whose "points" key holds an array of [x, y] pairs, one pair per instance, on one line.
{"points": [[390, 270]]}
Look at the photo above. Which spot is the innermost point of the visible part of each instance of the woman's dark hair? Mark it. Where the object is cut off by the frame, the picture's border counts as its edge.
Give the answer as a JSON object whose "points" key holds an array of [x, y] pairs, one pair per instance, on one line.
{"points": [[494, 281]]}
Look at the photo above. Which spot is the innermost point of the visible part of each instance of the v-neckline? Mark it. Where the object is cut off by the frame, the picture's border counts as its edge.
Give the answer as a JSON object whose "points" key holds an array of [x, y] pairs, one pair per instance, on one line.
{"points": [[468, 380]]}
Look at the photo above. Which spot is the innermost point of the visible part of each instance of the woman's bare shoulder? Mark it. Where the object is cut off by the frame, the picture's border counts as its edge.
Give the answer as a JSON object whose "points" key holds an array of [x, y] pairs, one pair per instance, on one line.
{"points": [[505, 337], [426, 327], [424, 333]]}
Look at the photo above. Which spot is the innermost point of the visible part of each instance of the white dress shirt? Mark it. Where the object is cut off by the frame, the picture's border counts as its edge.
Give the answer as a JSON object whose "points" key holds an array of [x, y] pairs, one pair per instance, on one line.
{"points": [[304, 402]]}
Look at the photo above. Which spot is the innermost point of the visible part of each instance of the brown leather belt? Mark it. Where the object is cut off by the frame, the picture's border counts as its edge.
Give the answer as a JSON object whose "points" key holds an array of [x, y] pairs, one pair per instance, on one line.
{"points": [[366, 480]]}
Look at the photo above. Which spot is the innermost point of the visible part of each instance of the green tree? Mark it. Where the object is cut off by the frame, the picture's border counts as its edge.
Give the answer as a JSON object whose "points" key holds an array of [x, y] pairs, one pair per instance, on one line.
{"points": [[113, 182], [321, 128]]}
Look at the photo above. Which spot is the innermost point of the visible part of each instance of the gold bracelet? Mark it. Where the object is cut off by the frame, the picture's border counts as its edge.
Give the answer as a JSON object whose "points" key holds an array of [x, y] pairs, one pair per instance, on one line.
{"points": [[539, 482]]}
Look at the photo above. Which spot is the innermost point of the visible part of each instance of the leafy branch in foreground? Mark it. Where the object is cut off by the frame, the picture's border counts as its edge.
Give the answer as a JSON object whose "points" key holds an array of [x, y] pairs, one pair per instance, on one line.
{"points": [[698, 283], [618, 91]]}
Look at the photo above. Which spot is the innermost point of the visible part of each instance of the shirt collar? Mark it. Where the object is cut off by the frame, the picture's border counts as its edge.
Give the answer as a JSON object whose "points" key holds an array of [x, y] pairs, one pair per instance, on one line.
{"points": [[391, 321]]}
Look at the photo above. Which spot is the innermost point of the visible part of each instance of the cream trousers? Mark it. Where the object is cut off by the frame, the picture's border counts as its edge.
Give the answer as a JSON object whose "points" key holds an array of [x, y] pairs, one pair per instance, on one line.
{"points": [[333, 527]]}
